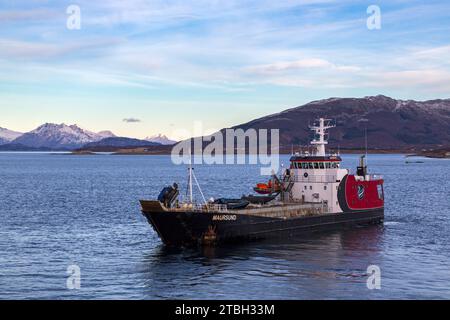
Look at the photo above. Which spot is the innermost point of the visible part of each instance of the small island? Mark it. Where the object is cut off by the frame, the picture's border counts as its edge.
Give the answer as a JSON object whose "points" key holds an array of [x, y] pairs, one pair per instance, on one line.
{"points": [[442, 153]]}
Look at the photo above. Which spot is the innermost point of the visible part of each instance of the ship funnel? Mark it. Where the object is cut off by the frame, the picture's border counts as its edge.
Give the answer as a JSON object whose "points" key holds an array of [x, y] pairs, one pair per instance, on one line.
{"points": [[362, 168]]}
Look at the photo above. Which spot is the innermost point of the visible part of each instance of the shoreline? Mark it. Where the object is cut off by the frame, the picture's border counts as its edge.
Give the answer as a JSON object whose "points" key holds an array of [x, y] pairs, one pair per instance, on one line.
{"points": [[432, 153], [406, 153], [427, 151]]}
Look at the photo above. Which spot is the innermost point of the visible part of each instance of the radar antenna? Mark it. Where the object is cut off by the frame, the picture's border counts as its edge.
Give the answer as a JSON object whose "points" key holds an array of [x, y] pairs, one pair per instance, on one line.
{"points": [[320, 128]]}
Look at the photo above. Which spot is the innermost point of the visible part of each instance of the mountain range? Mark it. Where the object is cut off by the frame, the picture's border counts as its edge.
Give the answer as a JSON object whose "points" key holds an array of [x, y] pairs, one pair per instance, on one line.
{"points": [[6, 136], [59, 136], [390, 124], [161, 139], [51, 136]]}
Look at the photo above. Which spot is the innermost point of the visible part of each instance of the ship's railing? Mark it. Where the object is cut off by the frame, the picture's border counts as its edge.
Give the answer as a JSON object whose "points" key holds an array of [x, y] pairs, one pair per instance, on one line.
{"points": [[216, 207], [201, 207], [267, 210], [369, 177], [315, 179], [329, 178]]}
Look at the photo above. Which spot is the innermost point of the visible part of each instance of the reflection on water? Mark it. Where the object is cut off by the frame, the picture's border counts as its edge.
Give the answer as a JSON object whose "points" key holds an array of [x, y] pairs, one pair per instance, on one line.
{"points": [[265, 269]]}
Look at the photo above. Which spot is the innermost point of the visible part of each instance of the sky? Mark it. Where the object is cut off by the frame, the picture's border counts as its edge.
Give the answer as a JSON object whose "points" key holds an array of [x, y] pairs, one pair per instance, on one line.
{"points": [[141, 67]]}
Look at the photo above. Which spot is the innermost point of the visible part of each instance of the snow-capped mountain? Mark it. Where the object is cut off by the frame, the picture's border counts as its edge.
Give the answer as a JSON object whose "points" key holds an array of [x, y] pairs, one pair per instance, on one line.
{"points": [[161, 139], [7, 136], [106, 134], [59, 136]]}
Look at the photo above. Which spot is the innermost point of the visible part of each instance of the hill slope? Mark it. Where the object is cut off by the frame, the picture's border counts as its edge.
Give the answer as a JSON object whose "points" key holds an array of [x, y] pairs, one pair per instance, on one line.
{"points": [[390, 123], [113, 144], [6, 136]]}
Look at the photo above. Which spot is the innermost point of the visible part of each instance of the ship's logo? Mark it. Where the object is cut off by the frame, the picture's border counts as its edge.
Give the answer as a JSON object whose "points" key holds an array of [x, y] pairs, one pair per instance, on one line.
{"points": [[360, 192]]}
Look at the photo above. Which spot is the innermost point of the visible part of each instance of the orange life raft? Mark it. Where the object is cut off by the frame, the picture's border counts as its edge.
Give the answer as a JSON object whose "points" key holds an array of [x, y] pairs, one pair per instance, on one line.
{"points": [[267, 188]]}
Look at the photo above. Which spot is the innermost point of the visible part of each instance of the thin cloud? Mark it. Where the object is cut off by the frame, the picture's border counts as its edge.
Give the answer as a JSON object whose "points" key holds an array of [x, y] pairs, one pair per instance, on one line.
{"points": [[131, 120], [29, 15], [17, 49], [284, 66]]}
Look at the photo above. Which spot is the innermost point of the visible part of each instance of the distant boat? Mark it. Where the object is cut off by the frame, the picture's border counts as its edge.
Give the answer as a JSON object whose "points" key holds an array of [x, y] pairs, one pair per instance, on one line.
{"points": [[408, 161]]}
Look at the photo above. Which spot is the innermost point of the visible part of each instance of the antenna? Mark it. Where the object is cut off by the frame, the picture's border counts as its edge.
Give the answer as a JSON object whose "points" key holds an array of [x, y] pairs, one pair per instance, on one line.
{"points": [[320, 128], [190, 170], [366, 142]]}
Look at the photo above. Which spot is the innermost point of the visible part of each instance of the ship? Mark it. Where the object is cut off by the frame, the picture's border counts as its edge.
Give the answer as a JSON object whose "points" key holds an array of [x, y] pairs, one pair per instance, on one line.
{"points": [[313, 194]]}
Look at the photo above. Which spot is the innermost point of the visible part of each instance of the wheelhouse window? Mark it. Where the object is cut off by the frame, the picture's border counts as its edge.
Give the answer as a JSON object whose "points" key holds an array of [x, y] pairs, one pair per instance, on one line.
{"points": [[315, 165]]}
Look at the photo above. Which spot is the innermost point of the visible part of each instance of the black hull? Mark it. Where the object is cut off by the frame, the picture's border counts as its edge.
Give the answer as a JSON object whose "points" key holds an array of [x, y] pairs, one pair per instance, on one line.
{"points": [[192, 228]]}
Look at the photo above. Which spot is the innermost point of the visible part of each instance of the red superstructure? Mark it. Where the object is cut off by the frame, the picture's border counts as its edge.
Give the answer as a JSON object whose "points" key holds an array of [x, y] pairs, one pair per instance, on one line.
{"points": [[361, 194]]}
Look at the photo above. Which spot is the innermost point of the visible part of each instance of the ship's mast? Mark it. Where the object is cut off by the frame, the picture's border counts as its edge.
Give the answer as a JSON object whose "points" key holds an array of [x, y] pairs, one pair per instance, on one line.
{"points": [[190, 189], [320, 141], [191, 200], [191, 179]]}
